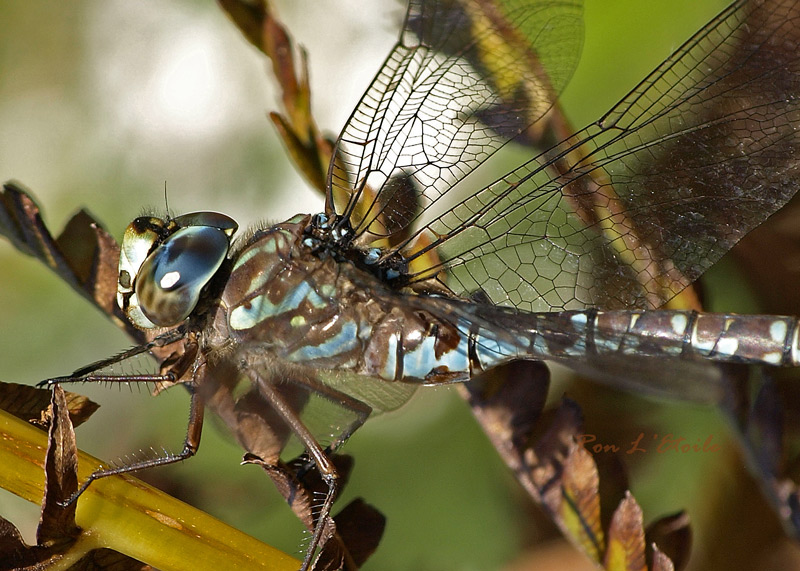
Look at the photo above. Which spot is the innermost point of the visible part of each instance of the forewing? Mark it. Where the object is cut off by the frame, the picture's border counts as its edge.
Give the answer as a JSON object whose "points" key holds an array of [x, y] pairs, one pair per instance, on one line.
{"points": [[702, 151], [465, 77]]}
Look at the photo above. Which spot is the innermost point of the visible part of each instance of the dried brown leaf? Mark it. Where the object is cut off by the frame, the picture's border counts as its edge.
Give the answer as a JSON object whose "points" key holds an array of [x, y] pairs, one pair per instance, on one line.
{"points": [[361, 527], [626, 546], [249, 18], [556, 438], [109, 560], [32, 405], [84, 255], [16, 554], [93, 257], [307, 160], [300, 499], [357, 528], [507, 402], [673, 536], [57, 523], [762, 424], [579, 510], [661, 562], [10, 539], [57, 530], [309, 149]]}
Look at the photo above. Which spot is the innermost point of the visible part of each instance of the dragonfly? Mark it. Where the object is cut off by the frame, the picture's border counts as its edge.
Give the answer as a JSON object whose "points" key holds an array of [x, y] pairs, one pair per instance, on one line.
{"points": [[416, 275]]}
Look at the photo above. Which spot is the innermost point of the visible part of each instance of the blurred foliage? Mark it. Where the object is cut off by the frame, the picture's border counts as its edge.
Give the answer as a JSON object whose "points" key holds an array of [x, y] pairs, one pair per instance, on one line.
{"points": [[89, 120]]}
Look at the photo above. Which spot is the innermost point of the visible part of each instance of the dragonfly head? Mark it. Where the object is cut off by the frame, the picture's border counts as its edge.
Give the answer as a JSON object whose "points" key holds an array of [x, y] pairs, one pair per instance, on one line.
{"points": [[164, 265]]}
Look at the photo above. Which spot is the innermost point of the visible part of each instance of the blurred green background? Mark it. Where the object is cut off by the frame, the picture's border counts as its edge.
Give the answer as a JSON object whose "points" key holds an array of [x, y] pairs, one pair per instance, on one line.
{"points": [[102, 101]]}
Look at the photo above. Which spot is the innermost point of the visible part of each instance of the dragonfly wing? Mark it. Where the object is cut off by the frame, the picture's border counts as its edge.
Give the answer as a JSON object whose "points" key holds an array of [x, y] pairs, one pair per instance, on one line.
{"points": [[701, 382], [330, 404], [465, 77], [701, 152], [378, 394]]}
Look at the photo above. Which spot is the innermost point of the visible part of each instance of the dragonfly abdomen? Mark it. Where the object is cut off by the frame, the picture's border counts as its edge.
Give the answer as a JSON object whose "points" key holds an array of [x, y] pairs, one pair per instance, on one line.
{"points": [[455, 353], [756, 339]]}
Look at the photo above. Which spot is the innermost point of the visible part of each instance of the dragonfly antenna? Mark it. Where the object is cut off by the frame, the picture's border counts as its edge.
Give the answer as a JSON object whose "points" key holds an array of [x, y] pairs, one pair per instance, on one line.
{"points": [[166, 201]]}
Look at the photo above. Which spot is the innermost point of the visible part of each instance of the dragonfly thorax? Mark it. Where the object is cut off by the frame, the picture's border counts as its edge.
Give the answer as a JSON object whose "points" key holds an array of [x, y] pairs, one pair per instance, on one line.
{"points": [[336, 238], [327, 236], [165, 264]]}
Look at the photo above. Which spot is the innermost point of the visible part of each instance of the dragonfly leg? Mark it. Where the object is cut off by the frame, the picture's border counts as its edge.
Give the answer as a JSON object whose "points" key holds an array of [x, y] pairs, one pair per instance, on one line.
{"points": [[190, 445], [323, 463], [359, 408], [87, 373], [111, 379]]}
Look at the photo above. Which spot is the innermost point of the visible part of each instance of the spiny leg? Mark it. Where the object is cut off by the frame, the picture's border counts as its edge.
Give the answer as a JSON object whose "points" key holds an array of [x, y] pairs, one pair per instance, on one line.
{"points": [[87, 373], [173, 372], [191, 443], [324, 464]]}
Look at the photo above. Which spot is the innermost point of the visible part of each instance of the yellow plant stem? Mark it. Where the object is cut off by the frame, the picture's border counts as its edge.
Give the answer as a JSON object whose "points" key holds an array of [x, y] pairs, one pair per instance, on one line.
{"points": [[126, 515]]}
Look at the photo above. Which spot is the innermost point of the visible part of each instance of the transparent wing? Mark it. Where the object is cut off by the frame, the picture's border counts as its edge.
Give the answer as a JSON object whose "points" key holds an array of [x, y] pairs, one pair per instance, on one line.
{"points": [[465, 77], [649, 197], [330, 404]]}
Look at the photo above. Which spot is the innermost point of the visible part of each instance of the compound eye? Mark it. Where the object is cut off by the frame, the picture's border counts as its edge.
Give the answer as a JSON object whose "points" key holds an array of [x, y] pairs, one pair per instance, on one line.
{"points": [[170, 280]]}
